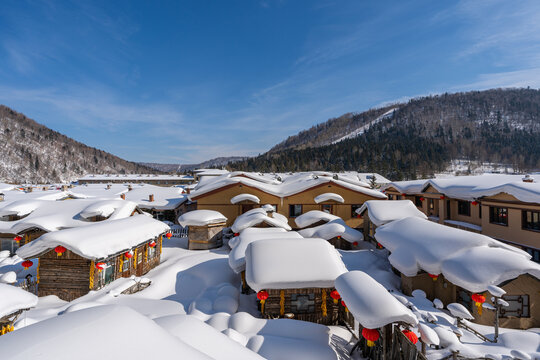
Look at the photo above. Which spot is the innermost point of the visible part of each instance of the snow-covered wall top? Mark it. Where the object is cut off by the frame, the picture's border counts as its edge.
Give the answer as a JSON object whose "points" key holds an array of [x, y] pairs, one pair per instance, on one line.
{"points": [[112, 191], [382, 211], [333, 229], [257, 216], [164, 198], [312, 217], [370, 303], [98, 240], [329, 197], [286, 264], [469, 260], [201, 218], [245, 197], [13, 299]]}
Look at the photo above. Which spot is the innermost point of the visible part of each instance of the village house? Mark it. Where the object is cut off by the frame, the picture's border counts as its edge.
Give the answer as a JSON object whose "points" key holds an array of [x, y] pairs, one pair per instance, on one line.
{"points": [[291, 195], [205, 229], [505, 207], [13, 301], [74, 261], [295, 279], [164, 203], [153, 179], [455, 265]]}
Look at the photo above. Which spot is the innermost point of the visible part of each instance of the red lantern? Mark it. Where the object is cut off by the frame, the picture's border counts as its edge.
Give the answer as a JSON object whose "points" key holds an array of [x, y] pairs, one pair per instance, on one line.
{"points": [[379, 245], [128, 254], [262, 296], [411, 336], [422, 199], [344, 305], [359, 216], [27, 264], [168, 235], [478, 301], [339, 237], [442, 197], [475, 203], [335, 295], [152, 244], [434, 277], [101, 265], [403, 195], [236, 234], [355, 243], [17, 238], [59, 250], [371, 335]]}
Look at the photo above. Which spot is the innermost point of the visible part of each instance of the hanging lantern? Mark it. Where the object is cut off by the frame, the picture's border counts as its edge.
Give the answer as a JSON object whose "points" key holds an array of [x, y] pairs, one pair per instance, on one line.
{"points": [[27, 264], [441, 197], [371, 335], [236, 234], [59, 250], [128, 254], [168, 235], [17, 238], [403, 195], [422, 199], [379, 245], [478, 301], [339, 237], [475, 203], [358, 216], [434, 277], [335, 295], [152, 244], [355, 243], [262, 296], [411, 336], [101, 265], [345, 306]]}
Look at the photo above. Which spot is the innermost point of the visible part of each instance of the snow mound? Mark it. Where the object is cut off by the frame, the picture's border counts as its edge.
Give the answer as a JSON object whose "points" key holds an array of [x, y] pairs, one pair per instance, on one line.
{"points": [[201, 218], [13, 299], [382, 212], [245, 197], [329, 197], [312, 217], [333, 229], [258, 216]]}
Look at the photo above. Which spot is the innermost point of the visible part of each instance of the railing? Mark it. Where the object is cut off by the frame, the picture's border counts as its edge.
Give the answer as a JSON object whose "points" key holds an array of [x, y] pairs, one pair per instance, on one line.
{"points": [[29, 285]]}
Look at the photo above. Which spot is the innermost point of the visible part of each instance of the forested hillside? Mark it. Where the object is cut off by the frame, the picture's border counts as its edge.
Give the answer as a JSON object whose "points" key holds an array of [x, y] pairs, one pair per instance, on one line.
{"points": [[34, 153], [419, 138]]}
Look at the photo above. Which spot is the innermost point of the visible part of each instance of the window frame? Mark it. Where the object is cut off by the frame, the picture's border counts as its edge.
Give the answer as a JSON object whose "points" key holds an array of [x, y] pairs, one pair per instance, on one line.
{"points": [[524, 220], [499, 218], [523, 299], [418, 201], [293, 214], [464, 205]]}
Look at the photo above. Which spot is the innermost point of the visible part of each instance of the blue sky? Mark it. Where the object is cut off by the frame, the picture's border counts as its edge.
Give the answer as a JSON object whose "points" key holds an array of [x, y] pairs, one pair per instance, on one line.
{"points": [[185, 81]]}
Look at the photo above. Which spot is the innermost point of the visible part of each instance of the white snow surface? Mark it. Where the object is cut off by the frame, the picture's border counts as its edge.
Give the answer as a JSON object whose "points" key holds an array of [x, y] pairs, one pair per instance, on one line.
{"points": [[382, 211], [370, 303], [469, 260], [362, 129], [285, 264], [165, 198], [258, 216], [99, 240], [313, 217], [201, 218], [245, 197], [102, 191], [329, 197], [13, 299], [333, 229]]}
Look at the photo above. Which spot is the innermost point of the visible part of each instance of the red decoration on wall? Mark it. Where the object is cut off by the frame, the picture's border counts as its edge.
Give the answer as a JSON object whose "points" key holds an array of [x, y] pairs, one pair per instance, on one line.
{"points": [[422, 199], [152, 244], [411, 336], [475, 203], [371, 335], [168, 235], [128, 254], [442, 197], [335, 295], [59, 250], [17, 238], [434, 277], [27, 264], [355, 243], [262, 295], [101, 265]]}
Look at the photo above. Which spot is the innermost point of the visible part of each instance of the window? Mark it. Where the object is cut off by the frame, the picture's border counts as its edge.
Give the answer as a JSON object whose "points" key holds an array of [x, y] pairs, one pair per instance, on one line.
{"points": [[464, 298], [534, 253], [464, 208], [303, 303], [107, 275], [295, 210], [326, 208], [151, 252], [398, 197], [126, 265], [448, 209], [353, 211], [518, 306], [390, 197], [480, 211], [274, 206], [431, 206], [418, 201], [498, 215], [530, 220]]}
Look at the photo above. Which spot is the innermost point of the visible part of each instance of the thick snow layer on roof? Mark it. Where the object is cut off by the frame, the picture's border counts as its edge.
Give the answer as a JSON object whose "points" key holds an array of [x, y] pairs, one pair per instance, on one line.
{"points": [[205, 338], [98, 240], [133, 177], [117, 331], [382, 211], [258, 216], [165, 198], [470, 260], [16, 194], [239, 244], [102, 191], [379, 179], [245, 197], [201, 218], [407, 187], [55, 215], [333, 229], [329, 197], [370, 303], [523, 191], [13, 299], [312, 217], [285, 264], [285, 184]]}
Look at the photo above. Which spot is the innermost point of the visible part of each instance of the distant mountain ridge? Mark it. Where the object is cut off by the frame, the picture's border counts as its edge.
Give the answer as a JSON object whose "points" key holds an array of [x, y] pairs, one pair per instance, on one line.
{"points": [[32, 152], [417, 138], [183, 168]]}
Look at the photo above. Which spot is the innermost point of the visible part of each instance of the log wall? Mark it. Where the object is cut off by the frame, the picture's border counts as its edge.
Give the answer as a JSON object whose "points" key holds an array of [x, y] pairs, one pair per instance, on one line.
{"points": [[205, 237]]}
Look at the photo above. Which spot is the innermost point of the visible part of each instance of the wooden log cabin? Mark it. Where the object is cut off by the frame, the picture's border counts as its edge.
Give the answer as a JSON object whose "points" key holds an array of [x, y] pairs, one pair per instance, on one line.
{"points": [[13, 301], [74, 261], [295, 279], [205, 229]]}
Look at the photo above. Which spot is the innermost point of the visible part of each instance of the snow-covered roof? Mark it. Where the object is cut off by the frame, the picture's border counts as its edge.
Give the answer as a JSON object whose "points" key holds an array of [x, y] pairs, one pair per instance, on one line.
{"points": [[333, 229], [117, 332], [6, 187], [282, 185], [523, 191], [313, 217], [379, 179], [55, 215], [245, 197], [134, 177], [112, 191], [239, 244], [257, 216], [16, 194], [285, 264], [98, 240], [13, 299], [165, 198], [384, 211], [329, 197], [201, 218], [406, 187], [370, 303], [469, 260]]}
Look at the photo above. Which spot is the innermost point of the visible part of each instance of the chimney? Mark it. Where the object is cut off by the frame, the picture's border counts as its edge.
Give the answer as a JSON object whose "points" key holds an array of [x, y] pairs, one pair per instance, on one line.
{"points": [[188, 191], [130, 187], [527, 178], [108, 186], [44, 188], [151, 197], [123, 196], [29, 189], [64, 187]]}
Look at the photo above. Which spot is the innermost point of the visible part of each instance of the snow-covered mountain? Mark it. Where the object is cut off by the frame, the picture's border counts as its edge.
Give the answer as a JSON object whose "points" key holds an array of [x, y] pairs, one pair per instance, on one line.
{"points": [[32, 152]]}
